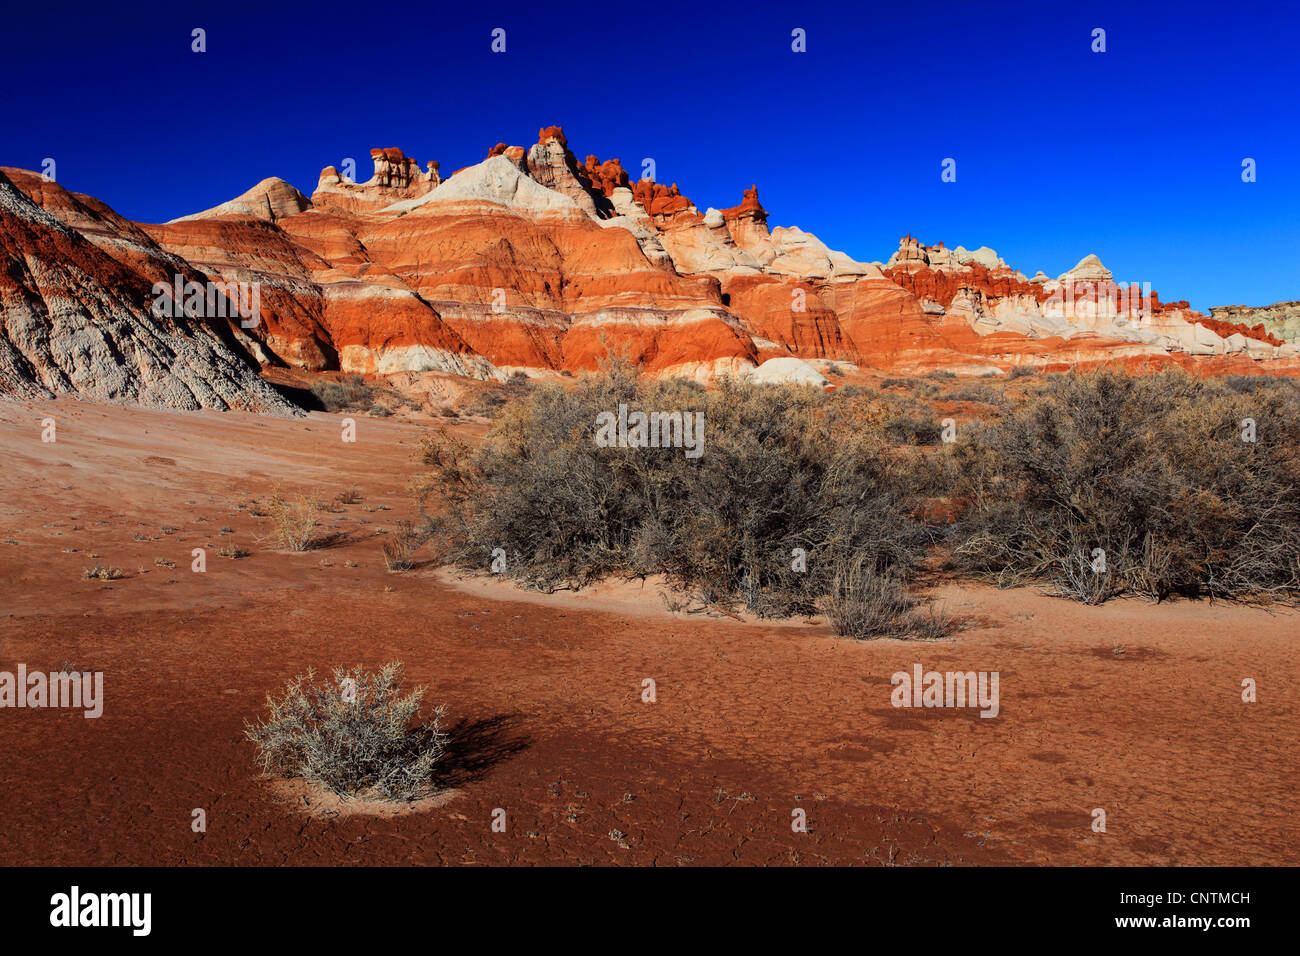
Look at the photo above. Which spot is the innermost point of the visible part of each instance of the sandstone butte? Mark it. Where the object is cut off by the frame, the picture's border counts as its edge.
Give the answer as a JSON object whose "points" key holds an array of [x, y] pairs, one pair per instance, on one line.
{"points": [[535, 261]]}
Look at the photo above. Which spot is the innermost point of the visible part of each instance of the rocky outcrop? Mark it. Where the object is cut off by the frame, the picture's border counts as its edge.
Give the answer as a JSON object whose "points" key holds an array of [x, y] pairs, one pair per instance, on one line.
{"points": [[272, 199], [1281, 320], [1126, 320], [554, 167], [397, 177], [78, 312]]}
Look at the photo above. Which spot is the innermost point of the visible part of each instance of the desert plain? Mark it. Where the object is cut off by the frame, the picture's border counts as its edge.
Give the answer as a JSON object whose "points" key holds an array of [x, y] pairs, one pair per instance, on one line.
{"points": [[1131, 706]]}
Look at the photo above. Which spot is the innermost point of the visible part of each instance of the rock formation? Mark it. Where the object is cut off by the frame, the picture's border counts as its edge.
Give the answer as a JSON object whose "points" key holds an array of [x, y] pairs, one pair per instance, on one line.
{"points": [[1282, 319], [77, 312], [531, 260]]}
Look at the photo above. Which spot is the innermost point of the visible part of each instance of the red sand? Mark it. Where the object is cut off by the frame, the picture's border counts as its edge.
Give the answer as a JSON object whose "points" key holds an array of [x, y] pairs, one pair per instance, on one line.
{"points": [[544, 693]]}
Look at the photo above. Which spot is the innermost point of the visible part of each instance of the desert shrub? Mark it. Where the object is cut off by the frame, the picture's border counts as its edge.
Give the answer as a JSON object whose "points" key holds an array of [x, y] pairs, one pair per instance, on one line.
{"points": [[941, 374], [355, 735], [908, 383], [1022, 371], [349, 496], [864, 603], [486, 404], [853, 391], [912, 428], [1250, 384], [350, 394], [982, 394], [1151, 470], [400, 547], [103, 573], [781, 469], [294, 520]]}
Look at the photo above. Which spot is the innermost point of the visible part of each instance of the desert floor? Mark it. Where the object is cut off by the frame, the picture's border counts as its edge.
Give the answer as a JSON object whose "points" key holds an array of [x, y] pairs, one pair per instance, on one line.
{"points": [[1130, 707]]}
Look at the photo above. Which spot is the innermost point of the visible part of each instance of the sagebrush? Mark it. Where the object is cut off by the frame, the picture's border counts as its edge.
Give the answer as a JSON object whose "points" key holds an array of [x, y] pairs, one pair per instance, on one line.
{"points": [[784, 472], [356, 735], [1150, 476]]}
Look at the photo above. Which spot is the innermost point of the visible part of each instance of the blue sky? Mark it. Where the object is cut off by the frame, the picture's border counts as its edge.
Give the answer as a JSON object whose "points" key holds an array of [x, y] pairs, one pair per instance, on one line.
{"points": [[1134, 154]]}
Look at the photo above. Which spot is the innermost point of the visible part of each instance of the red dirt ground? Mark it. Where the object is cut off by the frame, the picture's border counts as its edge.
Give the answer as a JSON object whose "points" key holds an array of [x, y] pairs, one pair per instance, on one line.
{"points": [[1130, 707]]}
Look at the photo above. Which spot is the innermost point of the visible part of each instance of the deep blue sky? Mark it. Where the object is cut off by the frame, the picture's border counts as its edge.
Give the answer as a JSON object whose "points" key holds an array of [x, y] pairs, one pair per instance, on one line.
{"points": [[1134, 154]]}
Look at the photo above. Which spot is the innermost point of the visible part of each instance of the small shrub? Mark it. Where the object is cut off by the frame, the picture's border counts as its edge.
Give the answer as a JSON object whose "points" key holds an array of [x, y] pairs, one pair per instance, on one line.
{"points": [[402, 545], [864, 603], [1022, 371], [910, 429], [981, 394], [348, 497], [103, 573], [373, 745], [351, 394], [295, 521], [908, 383]]}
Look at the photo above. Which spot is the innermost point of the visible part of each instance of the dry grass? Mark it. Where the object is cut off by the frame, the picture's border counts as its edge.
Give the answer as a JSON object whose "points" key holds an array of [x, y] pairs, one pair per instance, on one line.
{"points": [[864, 604], [294, 520], [400, 547]]}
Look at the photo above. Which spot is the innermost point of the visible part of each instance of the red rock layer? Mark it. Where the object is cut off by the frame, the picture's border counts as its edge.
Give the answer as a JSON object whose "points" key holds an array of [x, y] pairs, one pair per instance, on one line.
{"points": [[531, 259]]}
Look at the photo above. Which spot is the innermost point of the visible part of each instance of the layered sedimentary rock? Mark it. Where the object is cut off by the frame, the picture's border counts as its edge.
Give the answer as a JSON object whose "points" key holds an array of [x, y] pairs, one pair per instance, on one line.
{"points": [[78, 316], [1125, 320], [272, 199], [1281, 320], [533, 260]]}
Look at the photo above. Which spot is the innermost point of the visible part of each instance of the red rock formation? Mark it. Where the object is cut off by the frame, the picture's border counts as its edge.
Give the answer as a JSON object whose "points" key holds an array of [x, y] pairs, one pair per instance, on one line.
{"points": [[942, 287], [1224, 329], [749, 207], [532, 260], [606, 176], [659, 200], [548, 133], [79, 311]]}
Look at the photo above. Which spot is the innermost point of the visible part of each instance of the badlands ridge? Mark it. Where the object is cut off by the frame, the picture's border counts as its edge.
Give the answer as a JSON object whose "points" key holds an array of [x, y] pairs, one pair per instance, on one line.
{"points": [[535, 261]]}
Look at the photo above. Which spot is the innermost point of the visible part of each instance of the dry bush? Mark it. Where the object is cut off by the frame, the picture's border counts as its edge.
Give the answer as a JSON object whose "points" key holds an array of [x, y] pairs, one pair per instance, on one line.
{"points": [[782, 469], [295, 520], [400, 547], [375, 745], [351, 394], [864, 603], [1150, 469], [348, 497], [489, 399], [103, 573]]}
